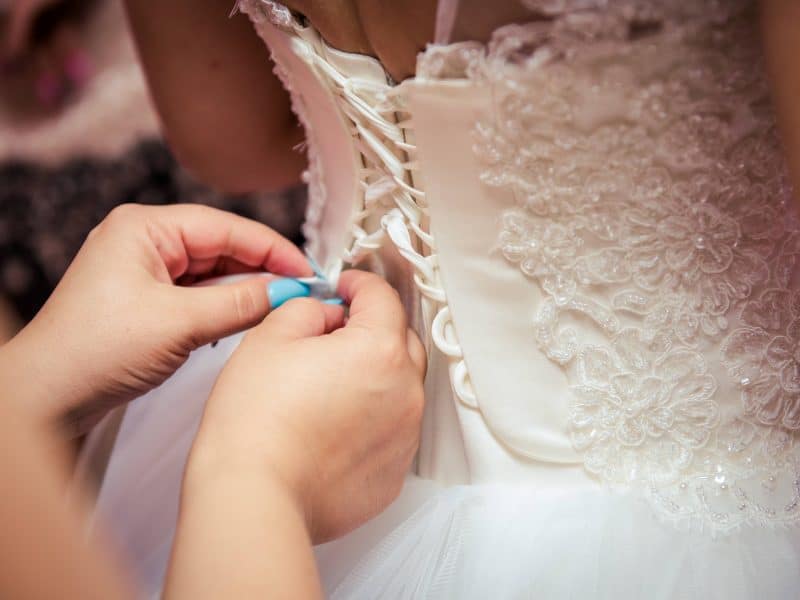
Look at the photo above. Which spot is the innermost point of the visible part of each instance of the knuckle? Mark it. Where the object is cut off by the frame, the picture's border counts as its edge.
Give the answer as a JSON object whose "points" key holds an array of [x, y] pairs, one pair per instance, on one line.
{"points": [[390, 351], [245, 304], [118, 219], [123, 213]]}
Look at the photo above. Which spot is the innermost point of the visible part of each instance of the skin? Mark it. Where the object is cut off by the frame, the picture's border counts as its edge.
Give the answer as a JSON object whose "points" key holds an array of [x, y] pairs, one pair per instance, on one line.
{"points": [[780, 23], [43, 548], [198, 62], [226, 83], [285, 375], [285, 470], [393, 32], [120, 288], [280, 455]]}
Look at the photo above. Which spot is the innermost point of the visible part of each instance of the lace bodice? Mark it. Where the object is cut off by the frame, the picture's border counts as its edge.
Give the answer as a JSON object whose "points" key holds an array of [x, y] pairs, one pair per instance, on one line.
{"points": [[620, 189], [652, 206]]}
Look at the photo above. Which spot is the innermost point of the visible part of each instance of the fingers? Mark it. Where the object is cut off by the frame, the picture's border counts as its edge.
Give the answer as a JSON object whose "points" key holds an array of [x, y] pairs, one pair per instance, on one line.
{"points": [[216, 311], [301, 318], [217, 266], [374, 304], [190, 237]]}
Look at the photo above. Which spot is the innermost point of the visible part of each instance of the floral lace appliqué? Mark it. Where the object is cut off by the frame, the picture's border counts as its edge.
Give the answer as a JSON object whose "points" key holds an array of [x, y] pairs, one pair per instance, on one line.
{"points": [[652, 209], [764, 357], [641, 398]]}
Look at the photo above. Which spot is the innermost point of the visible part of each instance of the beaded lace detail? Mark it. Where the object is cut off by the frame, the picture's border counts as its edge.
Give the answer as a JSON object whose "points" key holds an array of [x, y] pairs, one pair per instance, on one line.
{"points": [[652, 209]]}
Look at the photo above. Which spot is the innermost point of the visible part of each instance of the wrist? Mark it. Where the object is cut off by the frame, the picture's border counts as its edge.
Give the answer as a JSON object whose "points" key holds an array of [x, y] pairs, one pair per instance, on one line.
{"points": [[219, 466], [21, 378], [33, 374]]}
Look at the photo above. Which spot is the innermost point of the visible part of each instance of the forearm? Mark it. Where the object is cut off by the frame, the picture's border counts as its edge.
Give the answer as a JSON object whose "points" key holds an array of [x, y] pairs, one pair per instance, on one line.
{"points": [[44, 549], [780, 20], [225, 113], [241, 537]]}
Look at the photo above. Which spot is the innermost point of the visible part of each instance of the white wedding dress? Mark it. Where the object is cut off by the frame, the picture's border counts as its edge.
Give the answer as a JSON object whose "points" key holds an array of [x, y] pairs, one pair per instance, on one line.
{"points": [[590, 223]]}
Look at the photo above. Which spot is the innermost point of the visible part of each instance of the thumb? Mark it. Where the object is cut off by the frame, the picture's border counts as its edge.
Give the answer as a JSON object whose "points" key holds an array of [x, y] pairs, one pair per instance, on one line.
{"points": [[216, 311]]}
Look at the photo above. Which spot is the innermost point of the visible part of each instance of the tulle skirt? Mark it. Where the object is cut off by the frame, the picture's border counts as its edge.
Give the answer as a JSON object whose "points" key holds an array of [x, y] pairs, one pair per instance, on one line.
{"points": [[473, 541], [520, 542]]}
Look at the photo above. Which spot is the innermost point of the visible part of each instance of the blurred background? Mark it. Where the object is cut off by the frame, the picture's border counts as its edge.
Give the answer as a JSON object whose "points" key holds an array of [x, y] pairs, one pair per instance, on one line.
{"points": [[78, 136]]}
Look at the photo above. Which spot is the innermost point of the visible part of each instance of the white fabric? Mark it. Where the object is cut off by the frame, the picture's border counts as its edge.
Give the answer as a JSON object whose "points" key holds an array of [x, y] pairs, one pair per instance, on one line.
{"points": [[653, 256], [514, 543], [590, 224]]}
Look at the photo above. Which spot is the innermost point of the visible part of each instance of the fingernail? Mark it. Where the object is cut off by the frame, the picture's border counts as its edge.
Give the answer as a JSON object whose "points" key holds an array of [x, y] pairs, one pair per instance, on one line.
{"points": [[334, 301], [283, 290]]}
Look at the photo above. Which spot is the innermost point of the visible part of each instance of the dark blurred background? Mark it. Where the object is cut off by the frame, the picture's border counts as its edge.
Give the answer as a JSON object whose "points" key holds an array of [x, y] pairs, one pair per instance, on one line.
{"points": [[78, 136]]}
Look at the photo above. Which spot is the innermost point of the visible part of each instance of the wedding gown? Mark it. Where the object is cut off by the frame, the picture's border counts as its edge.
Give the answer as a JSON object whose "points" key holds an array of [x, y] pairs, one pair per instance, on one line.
{"points": [[590, 222]]}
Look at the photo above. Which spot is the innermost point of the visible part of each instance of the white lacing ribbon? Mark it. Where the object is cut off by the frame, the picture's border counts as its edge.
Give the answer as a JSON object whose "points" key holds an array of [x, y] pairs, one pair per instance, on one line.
{"points": [[386, 187]]}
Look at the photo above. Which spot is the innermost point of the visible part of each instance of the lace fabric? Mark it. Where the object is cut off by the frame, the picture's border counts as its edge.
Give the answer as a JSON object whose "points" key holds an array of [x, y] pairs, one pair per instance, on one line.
{"points": [[653, 211]]}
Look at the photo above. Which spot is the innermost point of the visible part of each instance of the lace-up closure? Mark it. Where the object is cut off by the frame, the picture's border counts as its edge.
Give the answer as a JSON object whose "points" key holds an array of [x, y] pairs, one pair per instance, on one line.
{"points": [[388, 189]]}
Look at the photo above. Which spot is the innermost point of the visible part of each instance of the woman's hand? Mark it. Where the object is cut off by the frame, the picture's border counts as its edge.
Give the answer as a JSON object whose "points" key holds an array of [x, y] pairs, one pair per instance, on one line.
{"points": [[334, 417], [117, 325], [309, 431]]}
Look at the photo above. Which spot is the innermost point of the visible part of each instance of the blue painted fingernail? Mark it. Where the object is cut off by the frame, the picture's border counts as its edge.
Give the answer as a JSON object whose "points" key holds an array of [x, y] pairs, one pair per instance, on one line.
{"points": [[283, 290], [334, 301]]}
